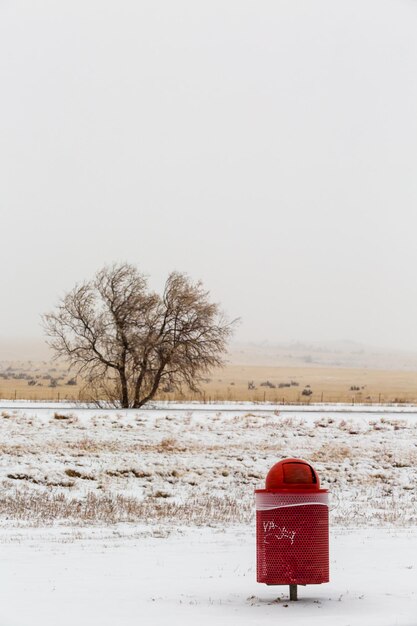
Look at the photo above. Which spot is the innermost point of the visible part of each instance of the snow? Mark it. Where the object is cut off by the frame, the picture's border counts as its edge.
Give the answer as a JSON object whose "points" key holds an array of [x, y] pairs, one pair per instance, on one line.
{"points": [[202, 577], [53, 459], [234, 407], [167, 535]]}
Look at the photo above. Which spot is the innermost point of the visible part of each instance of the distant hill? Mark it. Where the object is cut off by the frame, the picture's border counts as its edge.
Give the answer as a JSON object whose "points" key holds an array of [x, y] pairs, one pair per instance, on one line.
{"points": [[346, 354], [24, 349], [343, 354]]}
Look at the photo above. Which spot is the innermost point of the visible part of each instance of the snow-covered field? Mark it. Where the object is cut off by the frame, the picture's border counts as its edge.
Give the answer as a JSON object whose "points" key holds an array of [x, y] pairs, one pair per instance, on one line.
{"points": [[198, 467], [122, 517], [200, 576]]}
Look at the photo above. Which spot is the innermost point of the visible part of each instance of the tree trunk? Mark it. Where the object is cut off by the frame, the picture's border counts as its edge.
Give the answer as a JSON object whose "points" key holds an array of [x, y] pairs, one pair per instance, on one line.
{"points": [[138, 403], [138, 385], [124, 392]]}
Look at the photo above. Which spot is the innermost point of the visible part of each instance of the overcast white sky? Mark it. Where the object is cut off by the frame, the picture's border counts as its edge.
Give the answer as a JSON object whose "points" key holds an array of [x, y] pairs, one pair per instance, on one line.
{"points": [[268, 148]]}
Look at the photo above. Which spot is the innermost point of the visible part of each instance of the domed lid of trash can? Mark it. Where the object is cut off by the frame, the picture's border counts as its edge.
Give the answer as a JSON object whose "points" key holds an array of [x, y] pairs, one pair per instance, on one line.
{"points": [[292, 474]]}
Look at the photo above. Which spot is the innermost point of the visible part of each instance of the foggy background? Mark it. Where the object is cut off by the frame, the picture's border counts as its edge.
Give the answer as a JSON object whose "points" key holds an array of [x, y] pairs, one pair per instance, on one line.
{"points": [[268, 148]]}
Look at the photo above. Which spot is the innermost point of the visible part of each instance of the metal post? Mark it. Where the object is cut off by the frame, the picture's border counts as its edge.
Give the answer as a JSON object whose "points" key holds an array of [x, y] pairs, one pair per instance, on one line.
{"points": [[293, 593]]}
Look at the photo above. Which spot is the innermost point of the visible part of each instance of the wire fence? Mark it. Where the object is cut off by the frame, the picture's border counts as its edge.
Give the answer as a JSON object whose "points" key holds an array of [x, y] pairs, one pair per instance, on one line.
{"points": [[258, 397]]}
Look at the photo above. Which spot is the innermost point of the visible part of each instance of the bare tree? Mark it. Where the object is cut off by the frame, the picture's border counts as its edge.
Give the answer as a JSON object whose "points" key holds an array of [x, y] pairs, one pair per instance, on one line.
{"points": [[126, 341]]}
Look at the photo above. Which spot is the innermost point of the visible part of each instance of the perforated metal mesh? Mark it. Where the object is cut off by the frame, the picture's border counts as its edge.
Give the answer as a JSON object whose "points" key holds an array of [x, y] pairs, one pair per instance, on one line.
{"points": [[292, 538]]}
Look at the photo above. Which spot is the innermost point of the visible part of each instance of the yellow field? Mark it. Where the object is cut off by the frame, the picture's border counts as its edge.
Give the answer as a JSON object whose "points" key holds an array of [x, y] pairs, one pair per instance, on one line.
{"points": [[327, 384]]}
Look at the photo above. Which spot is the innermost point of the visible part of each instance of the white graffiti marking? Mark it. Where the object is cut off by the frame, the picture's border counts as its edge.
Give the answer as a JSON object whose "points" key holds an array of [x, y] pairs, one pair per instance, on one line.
{"points": [[282, 532]]}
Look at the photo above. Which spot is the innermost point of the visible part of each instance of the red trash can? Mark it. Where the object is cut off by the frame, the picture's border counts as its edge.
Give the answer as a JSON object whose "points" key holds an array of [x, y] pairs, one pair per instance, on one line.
{"points": [[292, 527]]}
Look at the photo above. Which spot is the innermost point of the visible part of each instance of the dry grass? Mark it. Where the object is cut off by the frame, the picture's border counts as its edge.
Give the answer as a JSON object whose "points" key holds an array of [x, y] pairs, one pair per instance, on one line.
{"points": [[47, 508], [169, 444], [328, 384], [198, 469], [332, 452], [64, 416]]}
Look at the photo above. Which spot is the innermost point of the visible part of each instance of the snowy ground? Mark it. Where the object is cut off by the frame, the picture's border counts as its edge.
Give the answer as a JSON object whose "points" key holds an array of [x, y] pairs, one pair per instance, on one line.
{"points": [[199, 467], [122, 517], [200, 577]]}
